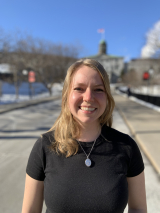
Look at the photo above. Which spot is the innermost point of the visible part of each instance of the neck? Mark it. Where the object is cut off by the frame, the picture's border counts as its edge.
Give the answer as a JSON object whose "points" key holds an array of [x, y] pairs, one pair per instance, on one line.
{"points": [[89, 133]]}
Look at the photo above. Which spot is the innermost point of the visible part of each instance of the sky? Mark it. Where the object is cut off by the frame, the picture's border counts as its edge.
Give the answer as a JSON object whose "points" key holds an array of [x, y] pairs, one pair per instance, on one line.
{"points": [[76, 22]]}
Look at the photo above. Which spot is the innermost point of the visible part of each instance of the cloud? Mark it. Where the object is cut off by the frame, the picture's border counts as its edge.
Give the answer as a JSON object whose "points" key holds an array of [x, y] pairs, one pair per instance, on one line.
{"points": [[152, 41]]}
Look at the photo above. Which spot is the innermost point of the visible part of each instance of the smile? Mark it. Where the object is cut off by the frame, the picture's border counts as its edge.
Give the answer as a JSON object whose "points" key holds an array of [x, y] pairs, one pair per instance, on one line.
{"points": [[87, 109]]}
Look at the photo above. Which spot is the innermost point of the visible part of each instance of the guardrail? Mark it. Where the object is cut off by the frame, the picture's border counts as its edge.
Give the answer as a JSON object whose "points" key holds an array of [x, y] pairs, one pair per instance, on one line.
{"points": [[147, 98]]}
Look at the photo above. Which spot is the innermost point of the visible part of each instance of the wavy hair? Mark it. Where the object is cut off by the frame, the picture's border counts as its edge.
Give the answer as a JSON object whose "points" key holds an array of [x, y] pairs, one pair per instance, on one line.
{"points": [[65, 128]]}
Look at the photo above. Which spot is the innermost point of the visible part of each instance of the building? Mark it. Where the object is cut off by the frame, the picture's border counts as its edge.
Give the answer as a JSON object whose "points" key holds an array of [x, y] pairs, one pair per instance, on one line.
{"points": [[112, 64], [142, 65], [5, 71]]}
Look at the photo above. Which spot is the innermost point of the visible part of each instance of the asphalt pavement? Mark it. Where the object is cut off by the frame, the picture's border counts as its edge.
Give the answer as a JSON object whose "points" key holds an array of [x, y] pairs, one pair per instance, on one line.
{"points": [[152, 180], [142, 123], [19, 130], [19, 105]]}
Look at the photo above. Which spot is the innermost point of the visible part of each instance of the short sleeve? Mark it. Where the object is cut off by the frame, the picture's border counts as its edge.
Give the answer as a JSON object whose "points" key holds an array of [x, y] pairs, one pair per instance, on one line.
{"points": [[136, 165], [35, 166]]}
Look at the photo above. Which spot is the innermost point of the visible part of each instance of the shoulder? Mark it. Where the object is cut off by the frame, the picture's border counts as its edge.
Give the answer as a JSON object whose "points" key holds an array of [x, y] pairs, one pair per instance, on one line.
{"points": [[47, 137], [119, 139], [127, 148], [44, 141], [114, 135]]}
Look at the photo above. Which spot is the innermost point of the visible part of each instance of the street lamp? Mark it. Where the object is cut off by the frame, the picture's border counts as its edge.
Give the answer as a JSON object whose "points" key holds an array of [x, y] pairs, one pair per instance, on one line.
{"points": [[150, 71], [24, 72]]}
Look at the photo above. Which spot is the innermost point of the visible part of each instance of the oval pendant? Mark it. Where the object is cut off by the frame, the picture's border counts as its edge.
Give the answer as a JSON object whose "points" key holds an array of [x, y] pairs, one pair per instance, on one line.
{"points": [[88, 162]]}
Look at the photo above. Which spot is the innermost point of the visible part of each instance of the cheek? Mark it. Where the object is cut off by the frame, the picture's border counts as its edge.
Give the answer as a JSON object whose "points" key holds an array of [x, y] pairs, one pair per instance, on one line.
{"points": [[73, 99], [101, 98], [103, 102]]}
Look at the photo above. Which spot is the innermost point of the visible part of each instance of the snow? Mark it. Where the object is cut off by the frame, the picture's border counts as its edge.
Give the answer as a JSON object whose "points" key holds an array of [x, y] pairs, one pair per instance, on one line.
{"points": [[154, 90], [9, 97], [39, 91], [148, 90], [152, 41]]}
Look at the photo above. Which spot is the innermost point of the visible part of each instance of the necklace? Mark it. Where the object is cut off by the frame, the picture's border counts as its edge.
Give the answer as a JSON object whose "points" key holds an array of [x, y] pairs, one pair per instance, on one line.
{"points": [[87, 161]]}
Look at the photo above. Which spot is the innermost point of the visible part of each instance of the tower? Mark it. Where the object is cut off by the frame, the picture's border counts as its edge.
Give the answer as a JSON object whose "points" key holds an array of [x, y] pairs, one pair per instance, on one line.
{"points": [[102, 47]]}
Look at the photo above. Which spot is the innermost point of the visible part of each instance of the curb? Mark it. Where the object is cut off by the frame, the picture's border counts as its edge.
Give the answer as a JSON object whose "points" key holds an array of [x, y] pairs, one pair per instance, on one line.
{"points": [[10, 107], [139, 141], [141, 102]]}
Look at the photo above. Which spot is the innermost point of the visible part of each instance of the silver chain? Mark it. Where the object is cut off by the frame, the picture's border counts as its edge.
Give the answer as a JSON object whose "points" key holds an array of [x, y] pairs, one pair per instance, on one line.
{"points": [[90, 150]]}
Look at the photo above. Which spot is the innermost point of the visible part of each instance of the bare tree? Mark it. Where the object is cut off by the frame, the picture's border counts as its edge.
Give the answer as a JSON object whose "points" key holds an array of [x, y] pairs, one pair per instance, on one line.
{"points": [[48, 60], [5, 48]]}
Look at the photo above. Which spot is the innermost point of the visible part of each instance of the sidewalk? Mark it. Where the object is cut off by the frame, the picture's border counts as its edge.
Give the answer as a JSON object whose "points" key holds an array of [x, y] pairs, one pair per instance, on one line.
{"points": [[136, 118], [144, 124], [152, 180], [9, 107]]}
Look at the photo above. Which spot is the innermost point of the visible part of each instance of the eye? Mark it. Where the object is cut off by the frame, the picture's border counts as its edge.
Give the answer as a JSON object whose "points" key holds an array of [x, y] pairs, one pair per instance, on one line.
{"points": [[99, 90], [78, 89]]}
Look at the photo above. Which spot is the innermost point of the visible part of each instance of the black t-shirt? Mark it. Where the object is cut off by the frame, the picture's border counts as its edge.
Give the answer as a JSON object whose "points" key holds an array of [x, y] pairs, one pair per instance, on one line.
{"points": [[72, 187]]}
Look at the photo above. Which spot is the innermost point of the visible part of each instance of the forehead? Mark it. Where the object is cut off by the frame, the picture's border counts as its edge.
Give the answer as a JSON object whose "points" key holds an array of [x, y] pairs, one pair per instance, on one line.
{"points": [[86, 75]]}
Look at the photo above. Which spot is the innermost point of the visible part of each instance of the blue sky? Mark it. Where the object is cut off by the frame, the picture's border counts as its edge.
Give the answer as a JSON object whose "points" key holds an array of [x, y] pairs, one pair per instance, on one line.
{"points": [[126, 22]]}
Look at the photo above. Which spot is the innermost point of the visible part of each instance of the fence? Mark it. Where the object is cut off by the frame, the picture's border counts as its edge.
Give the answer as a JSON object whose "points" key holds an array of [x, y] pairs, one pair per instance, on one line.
{"points": [[147, 98]]}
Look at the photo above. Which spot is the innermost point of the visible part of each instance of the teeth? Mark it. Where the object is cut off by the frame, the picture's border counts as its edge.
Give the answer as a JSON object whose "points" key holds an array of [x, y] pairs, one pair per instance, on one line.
{"points": [[87, 109]]}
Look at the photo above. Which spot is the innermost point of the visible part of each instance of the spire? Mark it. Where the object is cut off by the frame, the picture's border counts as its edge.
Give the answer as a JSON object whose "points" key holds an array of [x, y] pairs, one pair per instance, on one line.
{"points": [[102, 47]]}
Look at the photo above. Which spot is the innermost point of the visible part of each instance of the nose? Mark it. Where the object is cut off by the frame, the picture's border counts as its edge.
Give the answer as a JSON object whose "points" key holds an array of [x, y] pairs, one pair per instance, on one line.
{"points": [[88, 95]]}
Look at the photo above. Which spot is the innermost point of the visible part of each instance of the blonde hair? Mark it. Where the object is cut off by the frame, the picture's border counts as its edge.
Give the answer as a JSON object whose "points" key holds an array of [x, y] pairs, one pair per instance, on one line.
{"points": [[66, 129]]}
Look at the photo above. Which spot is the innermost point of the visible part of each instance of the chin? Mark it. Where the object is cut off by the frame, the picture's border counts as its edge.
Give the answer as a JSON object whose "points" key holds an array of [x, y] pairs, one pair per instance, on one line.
{"points": [[88, 121]]}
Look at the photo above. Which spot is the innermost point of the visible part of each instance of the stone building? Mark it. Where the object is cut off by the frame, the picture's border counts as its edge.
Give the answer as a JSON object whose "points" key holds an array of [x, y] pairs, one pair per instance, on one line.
{"points": [[141, 65], [112, 64]]}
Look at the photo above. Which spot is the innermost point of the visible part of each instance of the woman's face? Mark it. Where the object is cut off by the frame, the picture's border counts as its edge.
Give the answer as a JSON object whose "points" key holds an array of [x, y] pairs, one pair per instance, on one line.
{"points": [[87, 98]]}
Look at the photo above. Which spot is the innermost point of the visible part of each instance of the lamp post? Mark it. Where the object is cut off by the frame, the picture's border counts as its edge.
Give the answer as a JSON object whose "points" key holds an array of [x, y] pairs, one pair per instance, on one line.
{"points": [[151, 72], [31, 80]]}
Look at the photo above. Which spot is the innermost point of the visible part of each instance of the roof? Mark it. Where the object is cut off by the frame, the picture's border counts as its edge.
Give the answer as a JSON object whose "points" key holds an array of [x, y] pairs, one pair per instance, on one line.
{"points": [[145, 59], [102, 42]]}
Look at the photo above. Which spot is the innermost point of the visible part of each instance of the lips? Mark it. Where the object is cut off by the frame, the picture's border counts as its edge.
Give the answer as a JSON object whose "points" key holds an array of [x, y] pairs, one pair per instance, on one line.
{"points": [[90, 109]]}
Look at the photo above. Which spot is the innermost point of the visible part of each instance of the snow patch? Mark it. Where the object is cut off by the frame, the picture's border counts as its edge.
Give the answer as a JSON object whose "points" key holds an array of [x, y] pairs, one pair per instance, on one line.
{"points": [[9, 97]]}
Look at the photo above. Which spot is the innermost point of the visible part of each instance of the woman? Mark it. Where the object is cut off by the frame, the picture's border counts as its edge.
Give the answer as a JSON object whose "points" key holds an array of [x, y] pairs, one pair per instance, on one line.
{"points": [[82, 165]]}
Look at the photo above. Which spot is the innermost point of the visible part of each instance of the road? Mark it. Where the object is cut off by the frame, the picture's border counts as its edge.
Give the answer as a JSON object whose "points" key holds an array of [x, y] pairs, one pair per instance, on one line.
{"points": [[19, 129]]}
